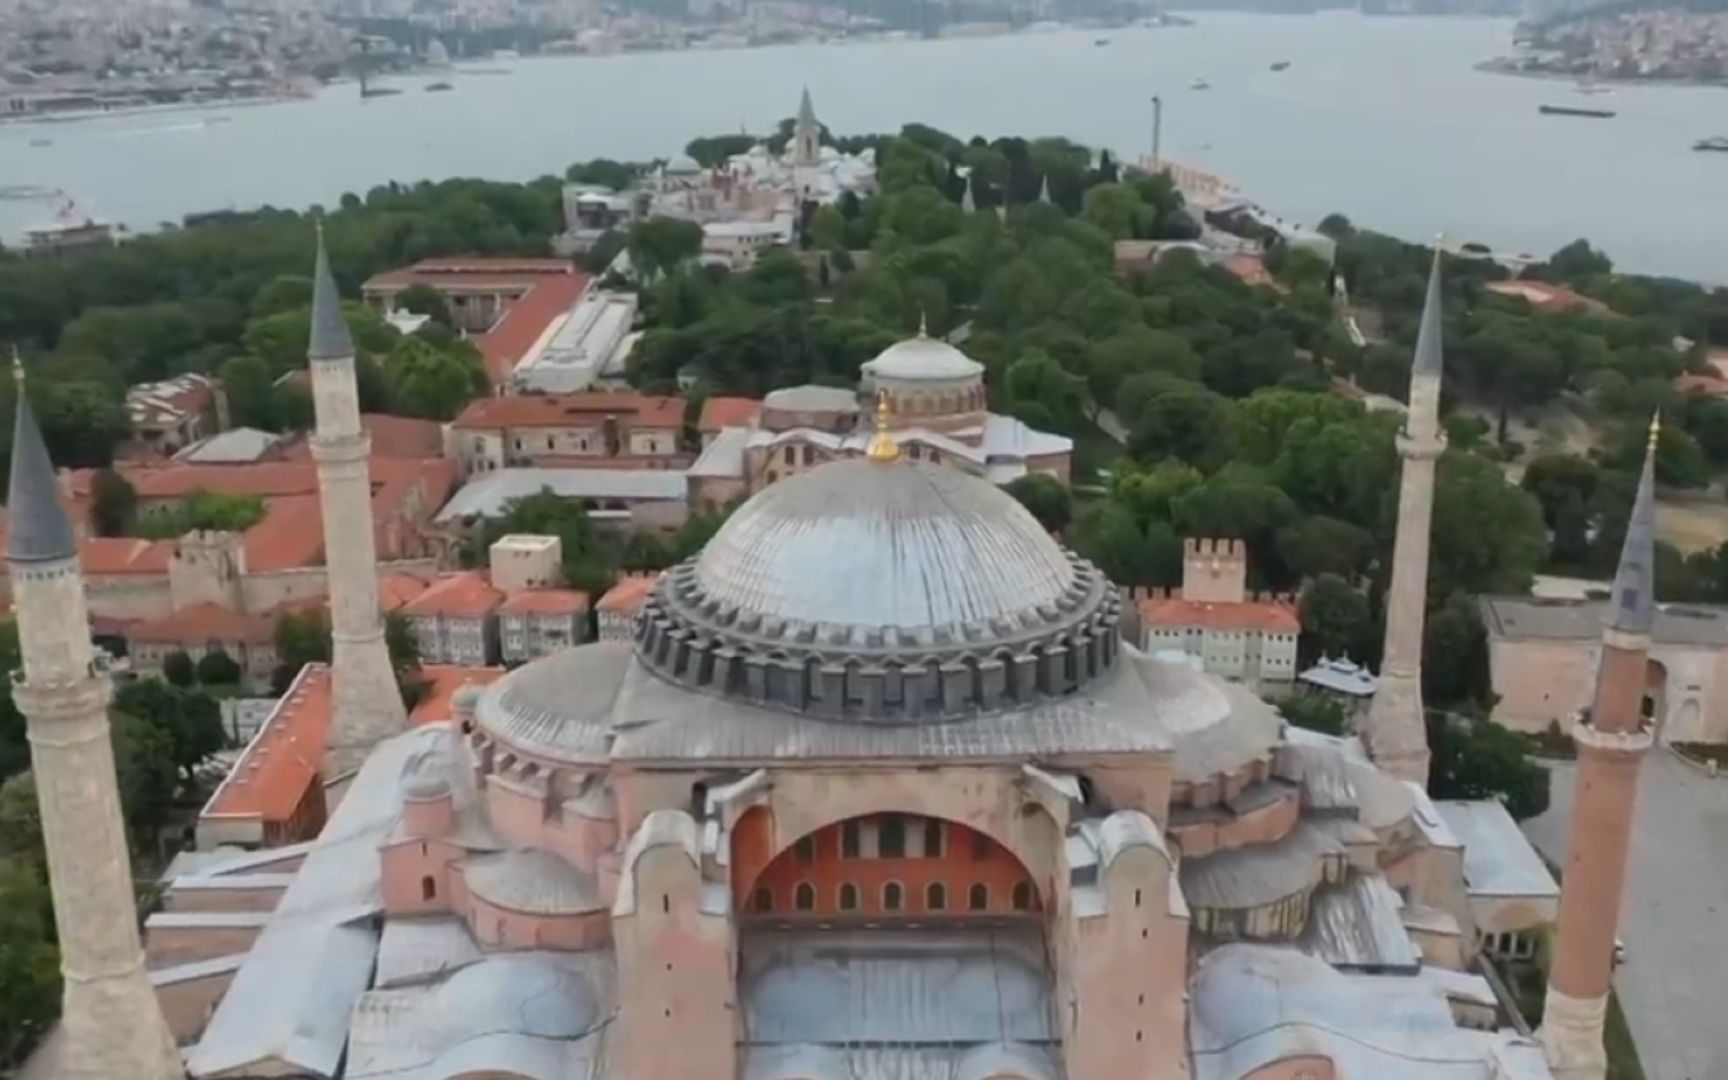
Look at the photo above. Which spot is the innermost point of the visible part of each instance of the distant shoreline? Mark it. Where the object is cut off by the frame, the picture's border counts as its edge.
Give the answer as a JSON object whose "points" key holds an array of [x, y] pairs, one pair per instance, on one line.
{"points": [[1501, 65]]}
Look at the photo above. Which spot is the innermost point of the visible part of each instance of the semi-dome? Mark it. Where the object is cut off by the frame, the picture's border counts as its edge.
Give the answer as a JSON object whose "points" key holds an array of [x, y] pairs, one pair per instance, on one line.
{"points": [[883, 591], [923, 357]]}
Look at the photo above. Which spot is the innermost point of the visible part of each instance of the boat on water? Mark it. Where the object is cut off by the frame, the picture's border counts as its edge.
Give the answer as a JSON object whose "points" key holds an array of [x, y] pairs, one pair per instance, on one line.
{"points": [[1569, 110], [437, 87], [379, 91], [1280, 65], [1101, 41], [1201, 84], [23, 192], [41, 142], [1714, 142]]}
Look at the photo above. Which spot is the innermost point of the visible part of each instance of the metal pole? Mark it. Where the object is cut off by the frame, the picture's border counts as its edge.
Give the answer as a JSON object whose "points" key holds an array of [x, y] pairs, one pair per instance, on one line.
{"points": [[1157, 131]]}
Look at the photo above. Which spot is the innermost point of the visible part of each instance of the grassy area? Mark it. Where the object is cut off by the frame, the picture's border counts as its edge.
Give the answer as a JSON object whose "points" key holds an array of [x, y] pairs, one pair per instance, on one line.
{"points": [[1528, 983], [1623, 1063]]}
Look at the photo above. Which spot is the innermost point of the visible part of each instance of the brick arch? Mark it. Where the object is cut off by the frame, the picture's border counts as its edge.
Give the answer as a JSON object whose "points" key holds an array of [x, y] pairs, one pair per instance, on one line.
{"points": [[874, 853]]}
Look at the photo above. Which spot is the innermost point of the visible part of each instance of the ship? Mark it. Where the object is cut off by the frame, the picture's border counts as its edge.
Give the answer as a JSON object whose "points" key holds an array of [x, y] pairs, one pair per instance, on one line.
{"points": [[1280, 65], [1201, 84], [1568, 110], [432, 88], [1714, 142]]}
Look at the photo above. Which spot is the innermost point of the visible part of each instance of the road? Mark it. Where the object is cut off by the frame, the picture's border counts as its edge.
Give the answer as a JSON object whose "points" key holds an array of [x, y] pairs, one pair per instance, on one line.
{"points": [[1675, 978]]}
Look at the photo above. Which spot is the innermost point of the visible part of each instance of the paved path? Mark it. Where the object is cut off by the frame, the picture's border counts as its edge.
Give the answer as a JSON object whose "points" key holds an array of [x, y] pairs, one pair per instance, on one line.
{"points": [[1674, 922]]}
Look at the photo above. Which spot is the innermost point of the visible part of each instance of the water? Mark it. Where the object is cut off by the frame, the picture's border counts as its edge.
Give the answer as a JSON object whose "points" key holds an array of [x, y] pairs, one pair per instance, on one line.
{"points": [[1383, 119]]}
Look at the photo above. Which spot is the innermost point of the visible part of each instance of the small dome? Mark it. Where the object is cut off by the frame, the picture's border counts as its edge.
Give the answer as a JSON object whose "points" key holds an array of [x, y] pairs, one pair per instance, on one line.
{"points": [[533, 882], [923, 358], [426, 776]]}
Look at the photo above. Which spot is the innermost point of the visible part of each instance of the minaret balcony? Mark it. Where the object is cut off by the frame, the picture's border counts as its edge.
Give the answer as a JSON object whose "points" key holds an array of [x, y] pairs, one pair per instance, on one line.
{"points": [[1588, 736]]}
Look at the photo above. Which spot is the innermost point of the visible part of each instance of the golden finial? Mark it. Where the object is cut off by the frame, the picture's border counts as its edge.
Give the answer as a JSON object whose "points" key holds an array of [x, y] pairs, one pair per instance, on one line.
{"points": [[1655, 428], [882, 445]]}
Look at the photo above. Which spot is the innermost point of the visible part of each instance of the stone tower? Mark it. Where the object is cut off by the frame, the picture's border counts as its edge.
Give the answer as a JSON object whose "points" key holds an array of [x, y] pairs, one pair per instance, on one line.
{"points": [[368, 707], [111, 1021], [1396, 735], [806, 135], [1612, 737]]}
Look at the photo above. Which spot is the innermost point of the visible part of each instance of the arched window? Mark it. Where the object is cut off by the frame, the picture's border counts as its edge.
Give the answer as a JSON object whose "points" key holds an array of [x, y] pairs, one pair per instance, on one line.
{"points": [[848, 897], [978, 899], [805, 850], [891, 837], [893, 896], [936, 897], [428, 888], [851, 842], [932, 838], [804, 897], [1023, 896], [764, 899]]}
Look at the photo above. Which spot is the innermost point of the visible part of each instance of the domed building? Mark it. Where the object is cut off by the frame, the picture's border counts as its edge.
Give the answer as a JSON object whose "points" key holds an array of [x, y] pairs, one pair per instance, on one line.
{"points": [[877, 790]]}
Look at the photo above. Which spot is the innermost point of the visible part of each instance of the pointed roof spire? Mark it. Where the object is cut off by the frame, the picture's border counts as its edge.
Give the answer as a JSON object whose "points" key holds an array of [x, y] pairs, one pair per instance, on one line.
{"points": [[1634, 605], [41, 531], [806, 111], [1430, 349], [1044, 190], [329, 339], [968, 199]]}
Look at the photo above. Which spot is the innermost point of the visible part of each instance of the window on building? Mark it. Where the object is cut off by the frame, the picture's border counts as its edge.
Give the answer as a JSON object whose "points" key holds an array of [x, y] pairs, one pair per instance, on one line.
{"points": [[932, 838], [804, 897], [891, 837], [893, 896], [791, 455], [851, 840], [848, 897], [978, 898], [936, 897], [764, 900], [805, 850], [1023, 896], [428, 888]]}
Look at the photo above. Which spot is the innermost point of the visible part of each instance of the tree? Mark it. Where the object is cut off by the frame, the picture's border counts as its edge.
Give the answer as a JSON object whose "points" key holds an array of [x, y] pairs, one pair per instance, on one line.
{"points": [[1475, 758], [423, 299], [1577, 262], [177, 668], [1316, 712], [1455, 654], [1488, 535], [603, 172], [217, 668], [1232, 505], [113, 503], [250, 389], [300, 639], [189, 721], [587, 564], [1046, 497], [82, 422], [1117, 209], [29, 963], [656, 246], [402, 644], [1182, 420], [20, 820], [144, 766], [1319, 544], [1335, 619], [426, 381]]}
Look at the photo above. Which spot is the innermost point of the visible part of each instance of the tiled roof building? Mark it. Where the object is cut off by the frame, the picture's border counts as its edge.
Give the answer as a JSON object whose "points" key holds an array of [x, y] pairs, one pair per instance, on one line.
{"points": [[1213, 619], [593, 429]]}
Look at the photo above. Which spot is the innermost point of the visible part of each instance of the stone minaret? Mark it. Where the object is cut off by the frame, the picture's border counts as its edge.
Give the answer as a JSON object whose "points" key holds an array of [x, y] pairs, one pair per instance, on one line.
{"points": [[806, 134], [1397, 738], [112, 1025], [367, 706], [1612, 737]]}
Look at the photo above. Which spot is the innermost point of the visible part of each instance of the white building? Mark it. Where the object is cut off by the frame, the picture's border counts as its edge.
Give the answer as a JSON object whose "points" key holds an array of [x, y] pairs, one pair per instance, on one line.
{"points": [[1213, 618]]}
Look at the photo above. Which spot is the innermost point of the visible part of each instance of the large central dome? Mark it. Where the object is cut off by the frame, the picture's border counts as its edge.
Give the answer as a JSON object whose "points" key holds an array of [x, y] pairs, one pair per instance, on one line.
{"points": [[900, 546], [882, 591]]}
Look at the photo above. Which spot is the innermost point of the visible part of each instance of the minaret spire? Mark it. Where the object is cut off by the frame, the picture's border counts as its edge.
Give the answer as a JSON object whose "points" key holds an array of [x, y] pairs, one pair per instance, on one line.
{"points": [[806, 135], [1612, 737], [112, 1025], [969, 197], [1044, 190], [367, 706], [1396, 732]]}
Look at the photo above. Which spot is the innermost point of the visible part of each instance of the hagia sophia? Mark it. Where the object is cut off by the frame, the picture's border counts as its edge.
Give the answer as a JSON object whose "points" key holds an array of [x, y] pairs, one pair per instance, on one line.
{"points": [[875, 791]]}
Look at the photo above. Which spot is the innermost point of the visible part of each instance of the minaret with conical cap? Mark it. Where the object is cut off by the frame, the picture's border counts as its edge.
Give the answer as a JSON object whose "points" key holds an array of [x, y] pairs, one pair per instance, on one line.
{"points": [[367, 706], [1612, 738], [1044, 190], [806, 134], [1396, 735], [111, 1023]]}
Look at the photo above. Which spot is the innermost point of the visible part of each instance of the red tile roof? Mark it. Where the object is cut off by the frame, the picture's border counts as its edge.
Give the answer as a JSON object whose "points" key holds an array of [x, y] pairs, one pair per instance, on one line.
{"points": [[398, 587], [464, 595], [507, 343], [1258, 615], [204, 622], [1548, 297], [124, 555], [1702, 384], [289, 536], [545, 602], [562, 410], [445, 680], [282, 761], [472, 270], [627, 595], [403, 436], [725, 412]]}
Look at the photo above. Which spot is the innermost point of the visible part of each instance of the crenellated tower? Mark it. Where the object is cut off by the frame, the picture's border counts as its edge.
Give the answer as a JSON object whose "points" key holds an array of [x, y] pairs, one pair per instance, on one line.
{"points": [[111, 1023], [1612, 739], [368, 707], [1395, 732]]}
